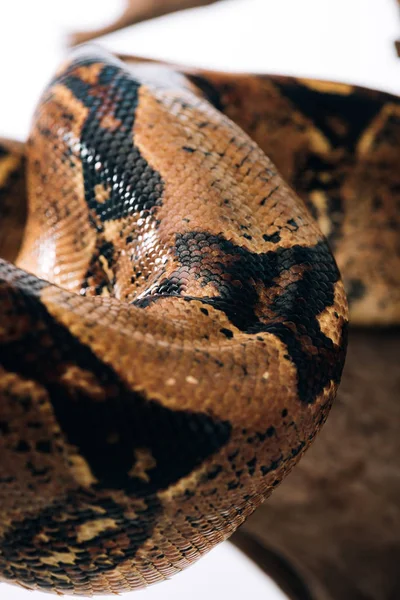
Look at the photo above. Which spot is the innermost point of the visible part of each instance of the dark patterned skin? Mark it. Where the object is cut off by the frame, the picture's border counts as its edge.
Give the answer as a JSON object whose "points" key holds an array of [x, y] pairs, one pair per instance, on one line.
{"points": [[12, 198], [331, 531], [337, 145], [171, 337], [334, 523]]}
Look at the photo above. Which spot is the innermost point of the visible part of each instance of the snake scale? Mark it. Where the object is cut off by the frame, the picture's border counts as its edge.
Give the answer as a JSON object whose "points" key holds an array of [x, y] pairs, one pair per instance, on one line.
{"points": [[173, 324]]}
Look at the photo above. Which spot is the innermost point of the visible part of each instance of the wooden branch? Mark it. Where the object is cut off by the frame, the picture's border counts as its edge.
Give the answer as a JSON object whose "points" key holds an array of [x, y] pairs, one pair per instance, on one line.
{"points": [[137, 11], [336, 519]]}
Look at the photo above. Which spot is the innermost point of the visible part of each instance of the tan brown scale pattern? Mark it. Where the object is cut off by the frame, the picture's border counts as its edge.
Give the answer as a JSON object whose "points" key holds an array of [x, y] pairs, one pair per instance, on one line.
{"points": [[337, 145], [178, 345], [62, 227], [331, 531]]}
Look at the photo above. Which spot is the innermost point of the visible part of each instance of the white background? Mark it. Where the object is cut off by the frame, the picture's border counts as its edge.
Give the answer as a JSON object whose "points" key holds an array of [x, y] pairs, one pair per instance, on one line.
{"points": [[346, 40]]}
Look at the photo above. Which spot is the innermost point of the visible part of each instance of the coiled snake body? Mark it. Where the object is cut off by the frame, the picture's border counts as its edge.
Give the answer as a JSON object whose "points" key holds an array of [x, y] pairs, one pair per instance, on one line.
{"points": [[174, 332]]}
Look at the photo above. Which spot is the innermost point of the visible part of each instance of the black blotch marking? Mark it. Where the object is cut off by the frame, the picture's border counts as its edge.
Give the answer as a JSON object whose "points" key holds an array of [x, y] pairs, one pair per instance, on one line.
{"points": [[7, 479], [26, 403], [212, 473], [355, 290], [188, 437], [209, 91], [168, 286], [22, 446], [296, 451], [96, 276], [335, 212], [110, 158], [293, 224], [389, 134], [237, 274], [311, 174], [264, 200], [204, 311], [270, 432], [261, 437], [44, 446], [4, 426], [274, 237], [310, 177], [227, 333], [233, 485], [36, 472], [271, 467], [324, 109], [251, 464]]}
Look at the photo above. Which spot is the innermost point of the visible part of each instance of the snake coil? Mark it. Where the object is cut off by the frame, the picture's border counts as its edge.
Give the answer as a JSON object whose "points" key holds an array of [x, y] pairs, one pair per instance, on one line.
{"points": [[173, 323]]}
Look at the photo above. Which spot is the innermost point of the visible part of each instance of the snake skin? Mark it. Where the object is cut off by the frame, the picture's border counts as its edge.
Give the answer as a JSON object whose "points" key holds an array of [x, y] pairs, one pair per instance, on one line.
{"points": [[173, 324]]}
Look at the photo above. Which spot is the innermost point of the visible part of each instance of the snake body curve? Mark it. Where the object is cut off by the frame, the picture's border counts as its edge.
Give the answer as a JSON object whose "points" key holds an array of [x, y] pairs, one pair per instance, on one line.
{"points": [[173, 333]]}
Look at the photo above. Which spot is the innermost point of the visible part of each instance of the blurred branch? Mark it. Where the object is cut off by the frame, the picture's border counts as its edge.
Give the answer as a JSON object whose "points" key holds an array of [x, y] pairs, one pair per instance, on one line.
{"points": [[273, 564], [137, 11]]}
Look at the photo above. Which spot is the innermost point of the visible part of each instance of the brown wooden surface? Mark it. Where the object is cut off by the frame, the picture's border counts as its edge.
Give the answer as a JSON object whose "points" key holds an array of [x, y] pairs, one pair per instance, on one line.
{"points": [[336, 519], [273, 564]]}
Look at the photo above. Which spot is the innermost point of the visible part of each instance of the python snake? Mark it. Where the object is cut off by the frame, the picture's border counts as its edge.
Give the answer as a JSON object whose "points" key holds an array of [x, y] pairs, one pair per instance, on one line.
{"points": [[173, 324]]}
